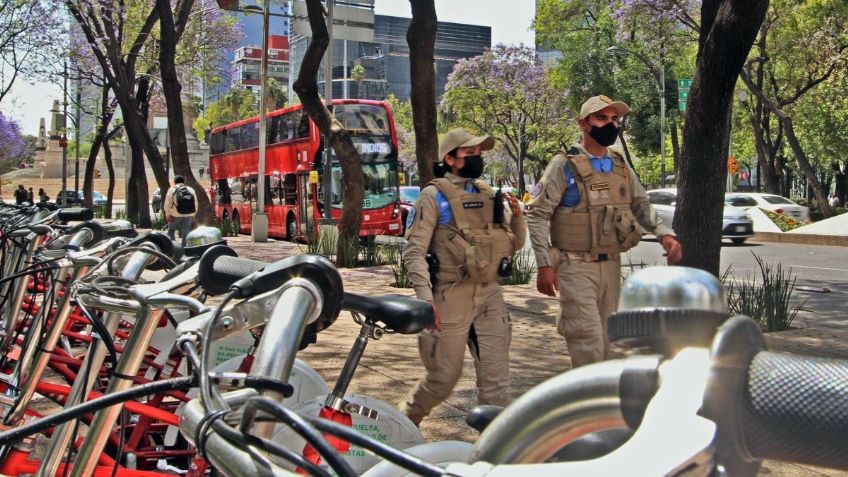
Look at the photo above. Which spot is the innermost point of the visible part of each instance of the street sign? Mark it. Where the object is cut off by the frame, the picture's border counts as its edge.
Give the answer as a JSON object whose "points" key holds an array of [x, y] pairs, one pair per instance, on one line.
{"points": [[683, 86], [732, 165]]}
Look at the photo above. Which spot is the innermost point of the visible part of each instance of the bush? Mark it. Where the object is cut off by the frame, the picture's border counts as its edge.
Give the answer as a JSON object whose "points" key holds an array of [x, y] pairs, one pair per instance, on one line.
{"points": [[767, 302], [523, 269]]}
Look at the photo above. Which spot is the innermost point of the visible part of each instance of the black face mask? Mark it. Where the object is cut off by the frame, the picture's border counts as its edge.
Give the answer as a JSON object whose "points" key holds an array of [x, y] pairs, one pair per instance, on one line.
{"points": [[473, 167], [606, 135]]}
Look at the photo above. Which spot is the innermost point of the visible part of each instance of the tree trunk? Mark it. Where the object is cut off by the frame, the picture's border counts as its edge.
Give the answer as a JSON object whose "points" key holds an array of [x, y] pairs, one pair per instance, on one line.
{"points": [[99, 138], [110, 168], [728, 29], [172, 89], [421, 38], [306, 88], [675, 150], [804, 163]]}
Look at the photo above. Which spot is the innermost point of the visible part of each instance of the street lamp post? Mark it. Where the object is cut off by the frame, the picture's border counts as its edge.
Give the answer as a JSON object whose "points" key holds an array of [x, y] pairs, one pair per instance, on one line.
{"points": [[63, 142], [659, 77]]}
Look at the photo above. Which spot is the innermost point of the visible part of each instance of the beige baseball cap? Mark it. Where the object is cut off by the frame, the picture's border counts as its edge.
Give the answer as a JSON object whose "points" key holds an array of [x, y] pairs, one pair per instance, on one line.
{"points": [[597, 103], [459, 137]]}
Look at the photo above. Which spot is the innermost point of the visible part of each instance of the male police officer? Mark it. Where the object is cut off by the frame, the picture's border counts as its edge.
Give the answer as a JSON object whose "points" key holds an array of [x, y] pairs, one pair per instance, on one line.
{"points": [[582, 215], [460, 222]]}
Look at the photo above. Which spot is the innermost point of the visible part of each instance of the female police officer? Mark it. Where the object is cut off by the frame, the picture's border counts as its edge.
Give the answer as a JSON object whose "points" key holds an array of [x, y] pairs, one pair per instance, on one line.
{"points": [[460, 226]]}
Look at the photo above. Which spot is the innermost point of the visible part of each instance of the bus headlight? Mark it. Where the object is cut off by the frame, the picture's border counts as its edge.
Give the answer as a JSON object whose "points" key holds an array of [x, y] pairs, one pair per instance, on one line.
{"points": [[395, 212]]}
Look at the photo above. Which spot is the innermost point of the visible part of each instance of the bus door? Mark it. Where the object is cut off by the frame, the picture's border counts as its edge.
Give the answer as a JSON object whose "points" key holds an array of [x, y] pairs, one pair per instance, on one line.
{"points": [[304, 203]]}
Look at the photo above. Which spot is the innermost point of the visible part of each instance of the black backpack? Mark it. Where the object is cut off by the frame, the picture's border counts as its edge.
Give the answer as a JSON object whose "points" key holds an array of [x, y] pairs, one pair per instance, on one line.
{"points": [[184, 200]]}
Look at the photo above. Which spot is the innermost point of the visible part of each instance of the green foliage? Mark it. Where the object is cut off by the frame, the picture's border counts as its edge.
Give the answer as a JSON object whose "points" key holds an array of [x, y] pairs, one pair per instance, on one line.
{"points": [[228, 227], [766, 301], [350, 250], [159, 222], [239, 103], [523, 269]]}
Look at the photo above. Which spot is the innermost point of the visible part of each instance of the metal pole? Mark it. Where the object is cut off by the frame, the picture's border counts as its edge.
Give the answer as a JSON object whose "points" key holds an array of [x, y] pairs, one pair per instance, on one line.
{"points": [[79, 136], [65, 137], [328, 96], [259, 227], [662, 114], [344, 70]]}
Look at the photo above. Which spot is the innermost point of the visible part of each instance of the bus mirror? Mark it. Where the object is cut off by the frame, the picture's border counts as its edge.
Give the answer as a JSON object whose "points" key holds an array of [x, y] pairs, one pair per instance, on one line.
{"points": [[313, 177]]}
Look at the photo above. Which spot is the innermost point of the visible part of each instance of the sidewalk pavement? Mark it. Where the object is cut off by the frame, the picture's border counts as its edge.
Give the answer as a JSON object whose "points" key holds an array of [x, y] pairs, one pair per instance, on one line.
{"points": [[391, 365]]}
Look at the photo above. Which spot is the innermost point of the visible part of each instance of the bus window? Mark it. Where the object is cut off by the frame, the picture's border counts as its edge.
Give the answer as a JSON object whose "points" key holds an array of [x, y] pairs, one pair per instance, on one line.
{"points": [[289, 189], [363, 119], [302, 125], [232, 140], [224, 192], [275, 184], [250, 135]]}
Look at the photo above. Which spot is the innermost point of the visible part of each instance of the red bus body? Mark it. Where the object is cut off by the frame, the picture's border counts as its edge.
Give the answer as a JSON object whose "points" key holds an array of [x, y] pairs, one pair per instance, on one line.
{"points": [[293, 203]]}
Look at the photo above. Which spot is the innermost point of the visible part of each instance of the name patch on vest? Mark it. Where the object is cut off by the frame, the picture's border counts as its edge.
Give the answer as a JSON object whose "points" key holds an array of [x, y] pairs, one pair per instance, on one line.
{"points": [[600, 186], [472, 205]]}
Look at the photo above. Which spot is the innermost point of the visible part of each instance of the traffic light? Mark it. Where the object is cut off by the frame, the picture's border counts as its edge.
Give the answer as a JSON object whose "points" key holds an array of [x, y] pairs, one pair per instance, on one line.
{"points": [[97, 173]]}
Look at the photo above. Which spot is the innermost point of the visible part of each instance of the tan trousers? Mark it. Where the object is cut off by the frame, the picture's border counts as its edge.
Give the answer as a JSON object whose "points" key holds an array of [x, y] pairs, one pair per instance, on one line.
{"points": [[588, 295], [472, 315]]}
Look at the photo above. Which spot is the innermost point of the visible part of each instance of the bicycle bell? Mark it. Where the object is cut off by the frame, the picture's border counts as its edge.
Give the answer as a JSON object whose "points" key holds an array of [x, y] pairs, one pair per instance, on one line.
{"points": [[201, 238], [667, 309]]}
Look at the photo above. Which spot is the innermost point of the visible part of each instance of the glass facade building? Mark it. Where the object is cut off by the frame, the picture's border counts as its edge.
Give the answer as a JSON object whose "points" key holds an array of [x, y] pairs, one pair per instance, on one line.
{"points": [[386, 59]]}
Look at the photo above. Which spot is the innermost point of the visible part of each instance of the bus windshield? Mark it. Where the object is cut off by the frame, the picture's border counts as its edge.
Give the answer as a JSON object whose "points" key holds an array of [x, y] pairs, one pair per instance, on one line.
{"points": [[363, 119], [379, 181]]}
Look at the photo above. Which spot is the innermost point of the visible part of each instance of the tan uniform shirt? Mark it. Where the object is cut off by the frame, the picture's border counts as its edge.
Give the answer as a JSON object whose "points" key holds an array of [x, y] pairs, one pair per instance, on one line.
{"points": [[421, 232], [548, 194]]}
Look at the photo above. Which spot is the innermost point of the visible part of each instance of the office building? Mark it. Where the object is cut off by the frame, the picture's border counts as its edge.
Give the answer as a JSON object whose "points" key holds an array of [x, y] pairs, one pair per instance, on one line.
{"points": [[386, 59]]}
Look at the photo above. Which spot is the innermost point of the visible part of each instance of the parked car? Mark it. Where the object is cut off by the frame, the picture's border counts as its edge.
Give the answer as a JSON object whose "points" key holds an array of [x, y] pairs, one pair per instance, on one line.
{"points": [[71, 197], [772, 202], [77, 198], [408, 196], [98, 199], [736, 223]]}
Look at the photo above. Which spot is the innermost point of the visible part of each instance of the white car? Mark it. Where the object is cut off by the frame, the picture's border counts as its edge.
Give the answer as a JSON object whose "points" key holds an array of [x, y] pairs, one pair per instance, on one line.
{"points": [[772, 202], [736, 223]]}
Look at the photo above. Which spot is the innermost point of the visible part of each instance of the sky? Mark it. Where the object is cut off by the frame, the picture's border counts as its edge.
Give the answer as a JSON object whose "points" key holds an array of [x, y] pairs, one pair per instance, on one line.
{"points": [[510, 21]]}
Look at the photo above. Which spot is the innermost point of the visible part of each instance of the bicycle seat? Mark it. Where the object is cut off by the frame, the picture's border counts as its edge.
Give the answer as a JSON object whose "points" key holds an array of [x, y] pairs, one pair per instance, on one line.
{"points": [[482, 415], [402, 314]]}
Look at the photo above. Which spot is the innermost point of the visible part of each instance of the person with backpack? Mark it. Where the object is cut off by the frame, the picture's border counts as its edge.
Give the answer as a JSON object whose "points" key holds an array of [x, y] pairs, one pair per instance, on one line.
{"points": [[180, 207]]}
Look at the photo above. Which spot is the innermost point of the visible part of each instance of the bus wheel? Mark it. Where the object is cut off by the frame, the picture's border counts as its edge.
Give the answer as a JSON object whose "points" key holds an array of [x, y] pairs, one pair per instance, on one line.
{"points": [[291, 228], [236, 222]]}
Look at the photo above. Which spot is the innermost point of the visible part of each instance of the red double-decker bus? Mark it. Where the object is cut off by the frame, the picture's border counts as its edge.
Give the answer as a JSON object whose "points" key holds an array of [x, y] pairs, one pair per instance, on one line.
{"points": [[294, 158]]}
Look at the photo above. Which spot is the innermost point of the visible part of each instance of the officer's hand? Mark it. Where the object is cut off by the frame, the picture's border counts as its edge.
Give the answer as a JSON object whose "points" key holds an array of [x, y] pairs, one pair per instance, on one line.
{"points": [[437, 324], [514, 207], [546, 281], [673, 250]]}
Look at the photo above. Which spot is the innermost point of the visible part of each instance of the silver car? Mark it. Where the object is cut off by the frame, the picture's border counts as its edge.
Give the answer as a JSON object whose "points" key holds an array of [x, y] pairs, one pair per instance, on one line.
{"points": [[736, 224]]}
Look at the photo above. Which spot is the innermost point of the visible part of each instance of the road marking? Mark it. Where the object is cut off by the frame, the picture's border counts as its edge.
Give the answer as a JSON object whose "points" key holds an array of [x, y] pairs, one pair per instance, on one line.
{"points": [[820, 268]]}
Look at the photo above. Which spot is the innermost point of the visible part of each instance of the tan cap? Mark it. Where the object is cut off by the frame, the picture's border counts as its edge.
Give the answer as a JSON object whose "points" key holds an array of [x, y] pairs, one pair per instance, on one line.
{"points": [[597, 103], [461, 138]]}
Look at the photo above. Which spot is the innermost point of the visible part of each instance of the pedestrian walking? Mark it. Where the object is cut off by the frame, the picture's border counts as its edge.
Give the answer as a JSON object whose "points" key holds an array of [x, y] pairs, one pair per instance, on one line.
{"points": [[180, 207], [42, 196], [460, 242], [583, 213], [834, 201], [30, 196], [20, 194], [201, 171]]}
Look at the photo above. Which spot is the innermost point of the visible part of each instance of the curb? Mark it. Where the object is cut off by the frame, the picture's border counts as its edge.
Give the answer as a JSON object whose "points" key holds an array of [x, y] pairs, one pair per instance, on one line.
{"points": [[805, 239]]}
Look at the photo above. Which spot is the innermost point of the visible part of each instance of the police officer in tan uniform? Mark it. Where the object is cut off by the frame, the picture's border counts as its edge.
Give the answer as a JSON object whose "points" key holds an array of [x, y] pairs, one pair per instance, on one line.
{"points": [[460, 222], [583, 213]]}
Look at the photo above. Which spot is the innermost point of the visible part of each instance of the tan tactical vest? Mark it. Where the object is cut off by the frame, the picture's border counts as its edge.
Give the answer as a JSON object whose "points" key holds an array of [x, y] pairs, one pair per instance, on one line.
{"points": [[470, 248], [601, 222]]}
